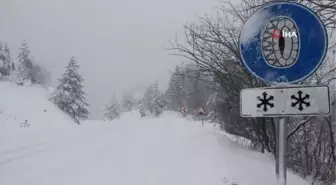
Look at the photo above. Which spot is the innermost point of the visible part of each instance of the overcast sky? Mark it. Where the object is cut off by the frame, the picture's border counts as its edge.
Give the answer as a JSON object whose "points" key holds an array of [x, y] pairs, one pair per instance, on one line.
{"points": [[118, 43]]}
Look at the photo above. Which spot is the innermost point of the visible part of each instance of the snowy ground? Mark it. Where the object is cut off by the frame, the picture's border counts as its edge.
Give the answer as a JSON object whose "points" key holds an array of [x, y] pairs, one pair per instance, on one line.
{"points": [[152, 151]]}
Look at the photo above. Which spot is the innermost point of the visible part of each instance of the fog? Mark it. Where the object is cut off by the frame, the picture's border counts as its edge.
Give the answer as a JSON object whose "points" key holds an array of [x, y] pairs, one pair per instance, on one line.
{"points": [[120, 45]]}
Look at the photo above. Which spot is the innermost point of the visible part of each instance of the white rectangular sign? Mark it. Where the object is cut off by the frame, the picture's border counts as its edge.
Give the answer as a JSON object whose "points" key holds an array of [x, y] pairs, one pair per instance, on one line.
{"points": [[285, 101]]}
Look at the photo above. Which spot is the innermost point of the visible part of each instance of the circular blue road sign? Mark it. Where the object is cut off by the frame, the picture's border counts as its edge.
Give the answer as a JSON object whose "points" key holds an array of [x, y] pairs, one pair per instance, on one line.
{"points": [[283, 42]]}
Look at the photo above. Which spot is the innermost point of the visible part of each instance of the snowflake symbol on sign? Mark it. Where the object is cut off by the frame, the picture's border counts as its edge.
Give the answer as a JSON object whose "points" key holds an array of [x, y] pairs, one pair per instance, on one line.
{"points": [[265, 101], [300, 100]]}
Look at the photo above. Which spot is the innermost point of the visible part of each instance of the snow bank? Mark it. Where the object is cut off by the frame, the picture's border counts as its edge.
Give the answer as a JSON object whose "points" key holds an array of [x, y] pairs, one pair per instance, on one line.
{"points": [[18, 104]]}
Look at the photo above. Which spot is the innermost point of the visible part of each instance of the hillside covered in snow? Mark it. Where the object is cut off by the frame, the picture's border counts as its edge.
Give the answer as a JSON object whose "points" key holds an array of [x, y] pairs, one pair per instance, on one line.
{"points": [[168, 150]]}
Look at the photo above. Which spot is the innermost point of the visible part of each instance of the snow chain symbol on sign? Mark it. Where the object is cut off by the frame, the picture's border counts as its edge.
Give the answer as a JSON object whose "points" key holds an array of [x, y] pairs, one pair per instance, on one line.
{"points": [[300, 100], [265, 101]]}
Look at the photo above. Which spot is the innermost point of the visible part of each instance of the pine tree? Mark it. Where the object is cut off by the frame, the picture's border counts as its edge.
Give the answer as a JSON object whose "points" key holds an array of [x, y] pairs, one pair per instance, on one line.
{"points": [[29, 71], [69, 95], [112, 109], [211, 106], [153, 101], [152, 95], [159, 103], [25, 64], [6, 62], [176, 94], [146, 102], [128, 102]]}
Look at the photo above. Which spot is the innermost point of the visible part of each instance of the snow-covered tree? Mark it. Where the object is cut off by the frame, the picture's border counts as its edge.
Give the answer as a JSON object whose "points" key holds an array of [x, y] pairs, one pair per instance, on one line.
{"points": [[153, 101], [159, 103], [142, 112], [176, 94], [29, 71], [112, 109], [6, 62], [69, 95], [146, 103], [40, 75], [128, 102], [197, 85], [211, 106], [25, 64]]}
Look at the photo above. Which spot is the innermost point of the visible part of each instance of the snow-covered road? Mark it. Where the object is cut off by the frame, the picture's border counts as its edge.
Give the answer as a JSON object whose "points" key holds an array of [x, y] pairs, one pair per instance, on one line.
{"points": [[118, 153], [150, 151]]}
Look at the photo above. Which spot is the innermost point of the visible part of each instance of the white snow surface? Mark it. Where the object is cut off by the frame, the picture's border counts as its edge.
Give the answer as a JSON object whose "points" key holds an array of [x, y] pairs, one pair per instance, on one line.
{"points": [[254, 25], [168, 150]]}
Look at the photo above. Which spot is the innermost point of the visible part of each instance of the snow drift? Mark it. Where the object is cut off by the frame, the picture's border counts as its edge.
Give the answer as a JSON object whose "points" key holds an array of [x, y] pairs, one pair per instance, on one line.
{"points": [[20, 103]]}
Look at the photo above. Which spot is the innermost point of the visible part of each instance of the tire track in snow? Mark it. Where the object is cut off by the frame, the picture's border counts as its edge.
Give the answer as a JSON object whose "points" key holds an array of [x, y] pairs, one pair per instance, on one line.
{"points": [[83, 155], [20, 149], [10, 160], [23, 152], [20, 153], [71, 165]]}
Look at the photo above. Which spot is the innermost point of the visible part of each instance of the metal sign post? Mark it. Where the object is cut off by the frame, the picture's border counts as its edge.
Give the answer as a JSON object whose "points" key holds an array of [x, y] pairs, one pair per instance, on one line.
{"points": [[283, 43], [283, 102], [201, 113], [281, 137]]}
